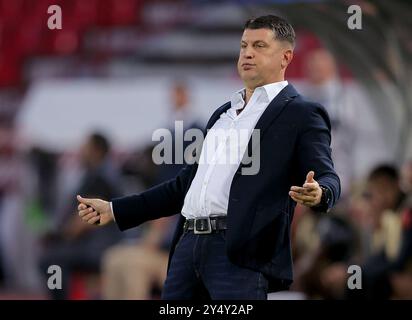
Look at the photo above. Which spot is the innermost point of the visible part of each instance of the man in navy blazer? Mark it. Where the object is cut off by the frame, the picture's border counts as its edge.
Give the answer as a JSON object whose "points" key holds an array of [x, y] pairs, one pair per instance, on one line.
{"points": [[233, 237]]}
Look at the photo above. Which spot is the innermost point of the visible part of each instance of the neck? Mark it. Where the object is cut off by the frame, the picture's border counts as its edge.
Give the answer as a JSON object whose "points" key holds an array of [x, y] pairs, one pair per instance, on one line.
{"points": [[248, 94], [250, 89]]}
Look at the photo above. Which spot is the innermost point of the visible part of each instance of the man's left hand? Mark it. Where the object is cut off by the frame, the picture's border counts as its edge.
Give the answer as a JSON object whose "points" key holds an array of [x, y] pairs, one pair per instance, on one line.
{"points": [[309, 194]]}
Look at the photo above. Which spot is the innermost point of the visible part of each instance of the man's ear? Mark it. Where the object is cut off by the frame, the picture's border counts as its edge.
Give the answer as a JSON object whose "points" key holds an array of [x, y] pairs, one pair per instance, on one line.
{"points": [[287, 57]]}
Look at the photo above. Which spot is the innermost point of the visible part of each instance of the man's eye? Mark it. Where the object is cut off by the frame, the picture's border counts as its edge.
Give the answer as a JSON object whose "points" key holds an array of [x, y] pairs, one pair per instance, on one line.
{"points": [[260, 45]]}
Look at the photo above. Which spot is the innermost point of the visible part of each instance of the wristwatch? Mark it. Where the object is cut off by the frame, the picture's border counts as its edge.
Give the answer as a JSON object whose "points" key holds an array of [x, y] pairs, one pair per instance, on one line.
{"points": [[323, 205]]}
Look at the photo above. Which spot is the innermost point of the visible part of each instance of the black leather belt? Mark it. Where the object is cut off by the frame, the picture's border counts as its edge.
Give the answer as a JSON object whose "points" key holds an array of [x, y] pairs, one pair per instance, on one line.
{"points": [[205, 225]]}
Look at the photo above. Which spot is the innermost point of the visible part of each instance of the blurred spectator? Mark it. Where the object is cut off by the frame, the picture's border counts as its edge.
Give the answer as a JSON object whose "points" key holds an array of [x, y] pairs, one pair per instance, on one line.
{"points": [[179, 111], [382, 239], [356, 139], [18, 226], [333, 242], [401, 278], [76, 246], [135, 271], [385, 198], [368, 235]]}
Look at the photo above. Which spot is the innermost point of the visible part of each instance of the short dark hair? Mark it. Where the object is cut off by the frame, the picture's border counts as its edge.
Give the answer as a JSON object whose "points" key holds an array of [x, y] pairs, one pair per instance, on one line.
{"points": [[386, 171], [100, 142], [282, 29]]}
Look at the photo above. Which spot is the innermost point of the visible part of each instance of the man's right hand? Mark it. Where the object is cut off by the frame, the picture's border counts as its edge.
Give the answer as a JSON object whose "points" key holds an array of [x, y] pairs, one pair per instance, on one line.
{"points": [[95, 211]]}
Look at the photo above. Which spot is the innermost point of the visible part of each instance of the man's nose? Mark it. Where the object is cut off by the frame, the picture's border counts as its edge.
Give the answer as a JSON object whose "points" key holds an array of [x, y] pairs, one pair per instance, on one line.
{"points": [[248, 53]]}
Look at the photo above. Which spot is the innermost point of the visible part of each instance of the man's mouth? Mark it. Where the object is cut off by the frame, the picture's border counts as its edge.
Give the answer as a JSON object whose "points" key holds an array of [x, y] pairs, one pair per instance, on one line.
{"points": [[248, 66]]}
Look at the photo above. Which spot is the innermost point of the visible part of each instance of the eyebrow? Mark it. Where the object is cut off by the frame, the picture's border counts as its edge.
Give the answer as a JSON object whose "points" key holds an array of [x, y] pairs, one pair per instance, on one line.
{"points": [[254, 42]]}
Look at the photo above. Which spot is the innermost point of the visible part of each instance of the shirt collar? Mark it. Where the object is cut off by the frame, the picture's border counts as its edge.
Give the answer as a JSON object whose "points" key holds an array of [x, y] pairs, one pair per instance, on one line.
{"points": [[237, 100], [273, 89], [270, 91]]}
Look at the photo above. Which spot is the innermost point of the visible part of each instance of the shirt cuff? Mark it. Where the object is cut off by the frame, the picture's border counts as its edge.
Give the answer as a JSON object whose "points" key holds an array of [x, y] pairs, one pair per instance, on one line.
{"points": [[111, 211]]}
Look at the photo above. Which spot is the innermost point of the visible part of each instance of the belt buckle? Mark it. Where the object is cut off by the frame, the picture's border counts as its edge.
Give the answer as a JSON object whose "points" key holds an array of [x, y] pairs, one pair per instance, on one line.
{"points": [[202, 226]]}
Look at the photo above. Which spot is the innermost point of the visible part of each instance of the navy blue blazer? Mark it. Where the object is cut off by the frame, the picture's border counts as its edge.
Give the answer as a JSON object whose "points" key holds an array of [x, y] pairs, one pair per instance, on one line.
{"points": [[294, 139]]}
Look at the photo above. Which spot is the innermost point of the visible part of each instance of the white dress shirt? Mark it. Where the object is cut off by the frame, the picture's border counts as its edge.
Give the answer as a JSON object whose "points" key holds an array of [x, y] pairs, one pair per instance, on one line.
{"points": [[223, 150]]}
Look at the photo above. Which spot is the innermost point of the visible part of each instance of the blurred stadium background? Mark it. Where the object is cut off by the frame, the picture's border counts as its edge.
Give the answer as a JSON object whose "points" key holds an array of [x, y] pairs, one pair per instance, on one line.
{"points": [[78, 107]]}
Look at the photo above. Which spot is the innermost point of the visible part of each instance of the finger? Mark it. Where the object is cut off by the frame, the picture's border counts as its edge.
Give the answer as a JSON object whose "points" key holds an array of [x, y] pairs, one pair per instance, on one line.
{"points": [[86, 211], [303, 190], [309, 176], [311, 186], [297, 200], [81, 206], [302, 197], [89, 216], [94, 220], [312, 194], [304, 203], [86, 201], [297, 189]]}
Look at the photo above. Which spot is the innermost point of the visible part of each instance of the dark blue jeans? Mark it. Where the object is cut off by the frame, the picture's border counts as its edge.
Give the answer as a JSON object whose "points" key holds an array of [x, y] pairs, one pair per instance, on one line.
{"points": [[200, 269]]}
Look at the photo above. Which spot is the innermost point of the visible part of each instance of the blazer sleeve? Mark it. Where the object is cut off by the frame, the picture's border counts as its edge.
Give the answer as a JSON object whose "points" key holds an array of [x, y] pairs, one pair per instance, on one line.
{"points": [[163, 200], [314, 151]]}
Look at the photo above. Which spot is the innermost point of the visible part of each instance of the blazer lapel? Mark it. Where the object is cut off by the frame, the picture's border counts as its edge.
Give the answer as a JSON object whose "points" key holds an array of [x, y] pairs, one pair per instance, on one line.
{"points": [[217, 114], [275, 107], [271, 112]]}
